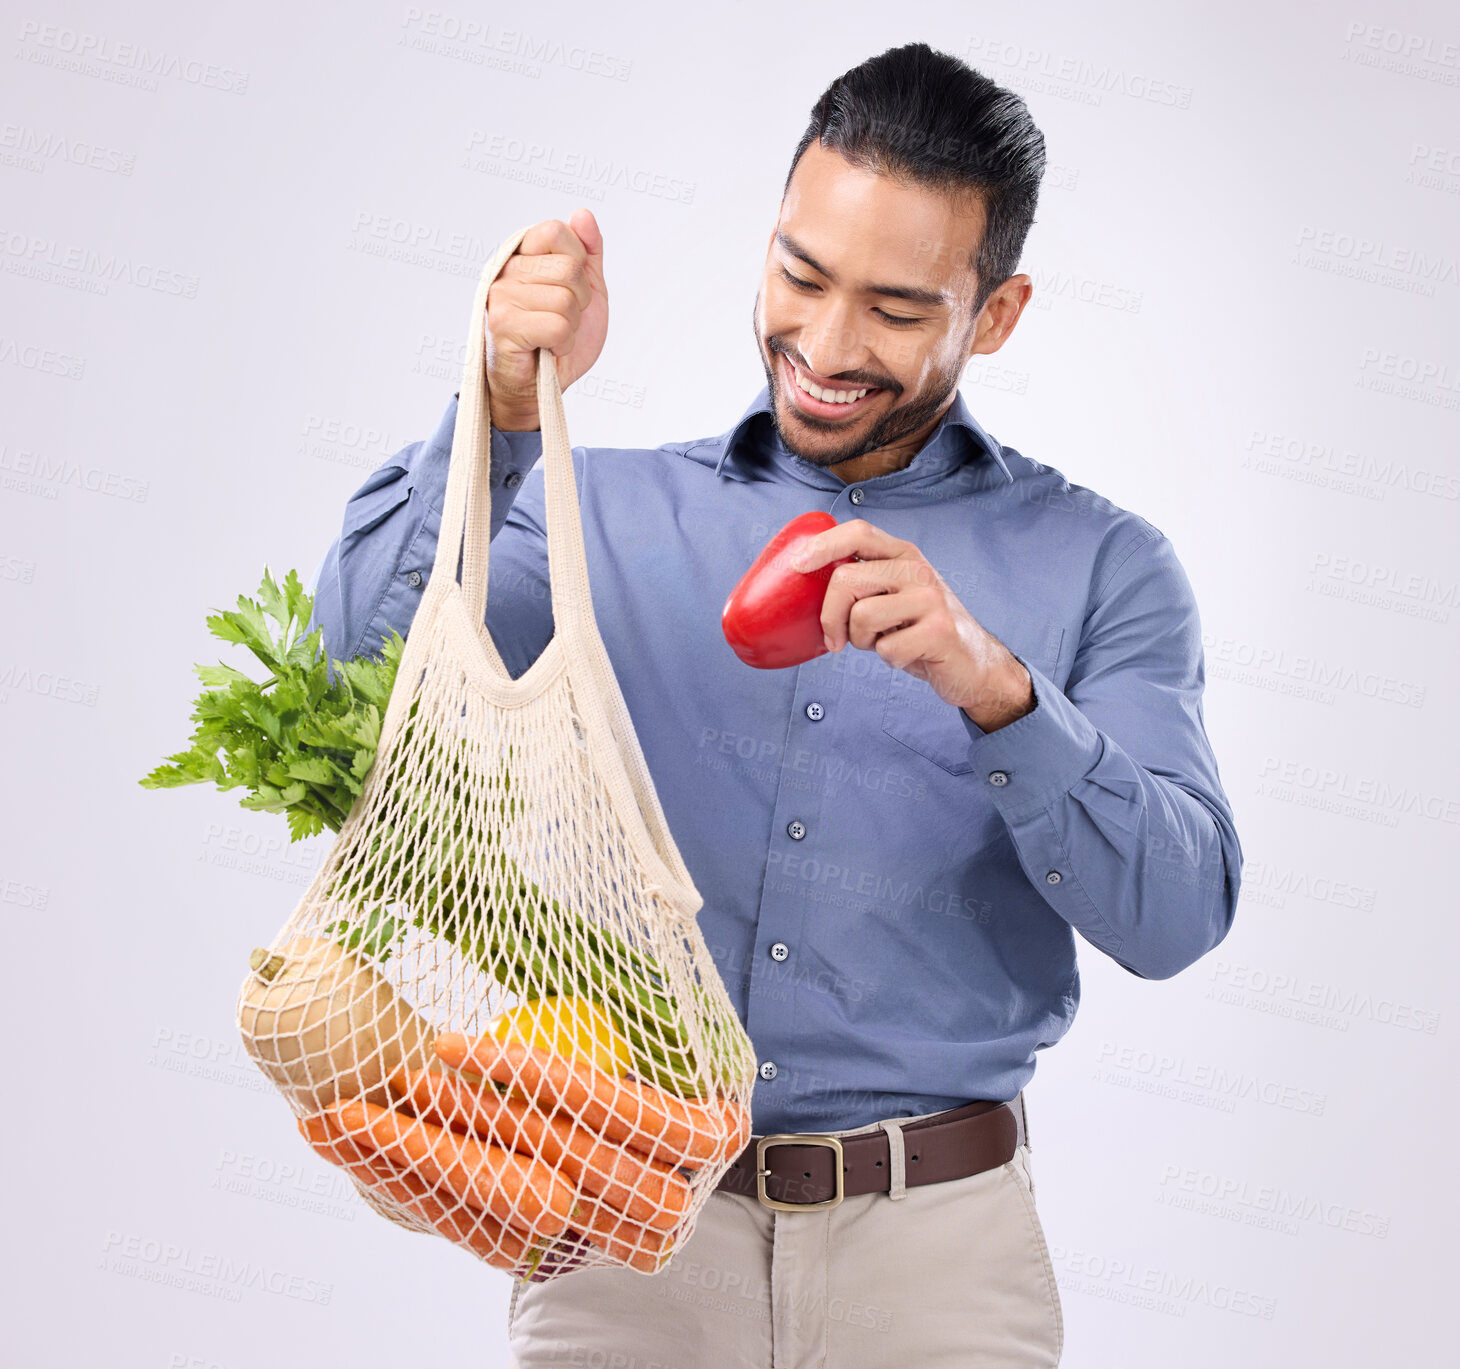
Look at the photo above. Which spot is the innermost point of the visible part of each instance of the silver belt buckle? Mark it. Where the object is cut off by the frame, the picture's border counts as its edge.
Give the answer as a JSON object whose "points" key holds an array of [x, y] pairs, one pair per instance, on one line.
{"points": [[800, 1139]]}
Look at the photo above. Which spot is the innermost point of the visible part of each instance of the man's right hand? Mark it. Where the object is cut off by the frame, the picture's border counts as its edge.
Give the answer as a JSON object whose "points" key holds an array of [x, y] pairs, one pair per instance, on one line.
{"points": [[571, 1149], [549, 294]]}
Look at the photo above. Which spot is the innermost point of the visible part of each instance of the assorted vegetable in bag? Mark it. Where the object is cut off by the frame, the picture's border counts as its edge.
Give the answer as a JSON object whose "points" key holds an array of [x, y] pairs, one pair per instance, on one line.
{"points": [[317, 1016], [493, 1005]]}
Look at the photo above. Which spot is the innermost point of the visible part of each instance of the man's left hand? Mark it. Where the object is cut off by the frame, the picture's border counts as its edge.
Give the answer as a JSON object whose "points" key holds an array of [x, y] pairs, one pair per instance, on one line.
{"points": [[891, 601]]}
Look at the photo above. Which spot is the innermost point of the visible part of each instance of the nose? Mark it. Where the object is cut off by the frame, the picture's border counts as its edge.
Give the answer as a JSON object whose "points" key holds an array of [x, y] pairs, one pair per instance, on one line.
{"points": [[830, 341]]}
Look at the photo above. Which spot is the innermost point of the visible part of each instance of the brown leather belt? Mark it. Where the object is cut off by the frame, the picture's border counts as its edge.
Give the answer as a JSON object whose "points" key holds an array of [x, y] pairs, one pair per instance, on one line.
{"points": [[793, 1172]]}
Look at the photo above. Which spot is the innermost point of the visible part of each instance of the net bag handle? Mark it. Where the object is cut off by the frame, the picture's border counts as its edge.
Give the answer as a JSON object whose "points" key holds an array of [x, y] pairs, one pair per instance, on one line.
{"points": [[468, 509], [468, 505]]}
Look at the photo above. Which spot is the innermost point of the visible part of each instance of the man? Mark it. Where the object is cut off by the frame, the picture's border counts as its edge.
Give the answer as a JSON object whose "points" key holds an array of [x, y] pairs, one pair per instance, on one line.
{"points": [[898, 840]]}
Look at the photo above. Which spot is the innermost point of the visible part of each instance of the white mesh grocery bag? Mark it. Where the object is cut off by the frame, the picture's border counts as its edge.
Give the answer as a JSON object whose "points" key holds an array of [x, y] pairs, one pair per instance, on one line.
{"points": [[494, 999]]}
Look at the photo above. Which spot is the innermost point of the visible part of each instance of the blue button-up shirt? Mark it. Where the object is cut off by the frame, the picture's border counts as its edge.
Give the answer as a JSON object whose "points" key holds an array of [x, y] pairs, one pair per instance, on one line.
{"points": [[890, 893]]}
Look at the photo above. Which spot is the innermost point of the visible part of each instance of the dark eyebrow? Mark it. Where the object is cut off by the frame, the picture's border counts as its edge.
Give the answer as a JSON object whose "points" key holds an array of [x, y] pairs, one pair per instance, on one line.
{"points": [[932, 299]]}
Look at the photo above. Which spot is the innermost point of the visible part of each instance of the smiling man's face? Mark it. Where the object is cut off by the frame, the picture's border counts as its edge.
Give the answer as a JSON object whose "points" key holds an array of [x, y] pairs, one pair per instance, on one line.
{"points": [[869, 285]]}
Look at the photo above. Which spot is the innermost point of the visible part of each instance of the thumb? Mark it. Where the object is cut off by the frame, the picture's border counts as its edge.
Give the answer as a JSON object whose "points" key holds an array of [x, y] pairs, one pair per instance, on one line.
{"points": [[589, 234]]}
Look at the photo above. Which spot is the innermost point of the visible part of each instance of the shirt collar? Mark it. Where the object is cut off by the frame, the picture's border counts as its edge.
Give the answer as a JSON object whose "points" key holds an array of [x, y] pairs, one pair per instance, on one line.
{"points": [[958, 438]]}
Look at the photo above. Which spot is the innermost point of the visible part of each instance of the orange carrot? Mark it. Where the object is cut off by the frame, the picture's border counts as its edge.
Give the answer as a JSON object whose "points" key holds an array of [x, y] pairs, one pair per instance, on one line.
{"points": [[628, 1111], [644, 1190], [497, 1244], [522, 1192], [623, 1239]]}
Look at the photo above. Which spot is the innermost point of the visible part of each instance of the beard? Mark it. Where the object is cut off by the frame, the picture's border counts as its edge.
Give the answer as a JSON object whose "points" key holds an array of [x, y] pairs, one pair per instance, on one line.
{"points": [[898, 422]]}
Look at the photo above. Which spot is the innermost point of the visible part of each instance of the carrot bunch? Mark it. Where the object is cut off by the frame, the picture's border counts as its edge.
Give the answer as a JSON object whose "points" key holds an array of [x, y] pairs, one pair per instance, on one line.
{"points": [[544, 1153]]}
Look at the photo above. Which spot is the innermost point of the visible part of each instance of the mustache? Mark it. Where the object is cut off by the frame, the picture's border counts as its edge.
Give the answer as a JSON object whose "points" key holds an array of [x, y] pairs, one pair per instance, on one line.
{"points": [[854, 381]]}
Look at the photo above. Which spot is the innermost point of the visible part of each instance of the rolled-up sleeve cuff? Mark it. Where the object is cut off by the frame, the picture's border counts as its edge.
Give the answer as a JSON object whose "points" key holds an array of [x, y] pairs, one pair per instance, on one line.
{"points": [[514, 454], [1035, 758]]}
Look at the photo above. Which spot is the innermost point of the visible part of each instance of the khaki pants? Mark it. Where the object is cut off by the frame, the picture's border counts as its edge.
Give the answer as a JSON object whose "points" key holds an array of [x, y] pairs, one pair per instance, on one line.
{"points": [[950, 1274]]}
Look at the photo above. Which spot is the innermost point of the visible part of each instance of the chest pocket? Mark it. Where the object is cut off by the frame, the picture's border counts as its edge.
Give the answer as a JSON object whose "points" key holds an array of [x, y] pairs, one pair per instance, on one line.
{"points": [[915, 715], [373, 545]]}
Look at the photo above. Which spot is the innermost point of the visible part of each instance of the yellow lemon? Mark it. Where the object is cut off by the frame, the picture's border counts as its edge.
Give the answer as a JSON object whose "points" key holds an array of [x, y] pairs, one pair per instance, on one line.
{"points": [[567, 1026]]}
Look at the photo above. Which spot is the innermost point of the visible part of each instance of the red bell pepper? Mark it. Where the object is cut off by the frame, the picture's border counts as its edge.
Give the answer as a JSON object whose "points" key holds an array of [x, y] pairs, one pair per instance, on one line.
{"points": [[772, 618]]}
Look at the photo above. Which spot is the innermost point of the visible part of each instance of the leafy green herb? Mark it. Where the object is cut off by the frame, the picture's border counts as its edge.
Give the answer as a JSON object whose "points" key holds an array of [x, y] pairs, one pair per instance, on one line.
{"points": [[299, 742]]}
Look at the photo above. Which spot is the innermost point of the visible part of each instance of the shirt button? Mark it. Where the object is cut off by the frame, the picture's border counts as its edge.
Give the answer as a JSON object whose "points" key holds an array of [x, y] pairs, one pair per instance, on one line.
{"points": [[796, 830], [1053, 877], [779, 951], [815, 711], [413, 579], [857, 495], [768, 1069], [512, 479], [998, 777]]}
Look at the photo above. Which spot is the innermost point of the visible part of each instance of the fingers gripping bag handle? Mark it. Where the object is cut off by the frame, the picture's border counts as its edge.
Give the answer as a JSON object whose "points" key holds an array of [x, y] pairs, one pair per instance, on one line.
{"points": [[493, 1004]]}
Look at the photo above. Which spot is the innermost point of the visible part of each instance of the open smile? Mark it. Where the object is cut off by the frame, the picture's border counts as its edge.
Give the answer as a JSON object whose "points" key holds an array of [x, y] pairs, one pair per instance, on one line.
{"points": [[826, 400]]}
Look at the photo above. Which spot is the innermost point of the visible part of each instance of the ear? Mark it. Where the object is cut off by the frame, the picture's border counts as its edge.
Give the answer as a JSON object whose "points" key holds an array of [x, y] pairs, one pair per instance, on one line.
{"points": [[1001, 311]]}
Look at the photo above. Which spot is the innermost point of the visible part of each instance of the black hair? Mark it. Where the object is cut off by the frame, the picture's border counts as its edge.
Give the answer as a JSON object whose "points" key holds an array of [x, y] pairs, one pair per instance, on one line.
{"points": [[928, 118]]}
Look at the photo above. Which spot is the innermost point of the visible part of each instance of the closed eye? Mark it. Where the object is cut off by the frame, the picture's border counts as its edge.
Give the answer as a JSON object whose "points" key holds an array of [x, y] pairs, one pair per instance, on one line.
{"points": [[897, 320], [797, 281]]}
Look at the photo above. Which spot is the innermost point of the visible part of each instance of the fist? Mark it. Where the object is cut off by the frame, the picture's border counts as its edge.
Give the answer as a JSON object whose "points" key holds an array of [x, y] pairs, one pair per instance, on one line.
{"points": [[550, 295]]}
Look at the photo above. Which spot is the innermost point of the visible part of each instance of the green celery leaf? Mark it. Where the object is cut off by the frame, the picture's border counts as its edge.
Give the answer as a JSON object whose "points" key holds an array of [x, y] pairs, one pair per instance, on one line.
{"points": [[304, 824], [314, 768], [297, 596], [272, 600], [221, 675]]}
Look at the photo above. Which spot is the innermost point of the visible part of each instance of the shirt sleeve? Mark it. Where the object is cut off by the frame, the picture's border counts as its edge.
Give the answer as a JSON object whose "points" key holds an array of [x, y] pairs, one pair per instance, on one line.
{"points": [[371, 578], [1110, 789]]}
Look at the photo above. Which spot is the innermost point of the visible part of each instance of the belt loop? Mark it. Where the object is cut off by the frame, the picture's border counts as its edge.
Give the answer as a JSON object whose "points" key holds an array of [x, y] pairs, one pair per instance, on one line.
{"points": [[1024, 1123], [897, 1178]]}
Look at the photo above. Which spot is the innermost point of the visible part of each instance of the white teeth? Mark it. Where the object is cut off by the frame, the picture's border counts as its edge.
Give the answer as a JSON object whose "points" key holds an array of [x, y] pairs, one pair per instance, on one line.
{"points": [[827, 396]]}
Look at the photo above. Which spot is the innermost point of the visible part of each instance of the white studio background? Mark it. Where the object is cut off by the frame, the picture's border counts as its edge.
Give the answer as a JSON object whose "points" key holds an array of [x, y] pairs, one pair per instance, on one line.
{"points": [[237, 252]]}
